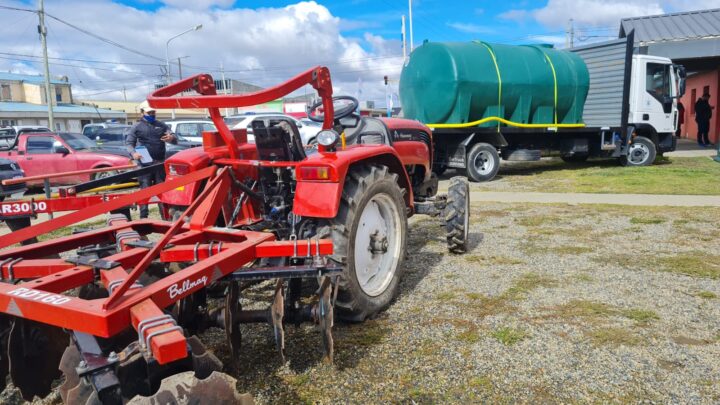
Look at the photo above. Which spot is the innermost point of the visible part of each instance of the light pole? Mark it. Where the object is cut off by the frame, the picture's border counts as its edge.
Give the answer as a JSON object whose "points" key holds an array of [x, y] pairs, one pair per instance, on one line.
{"points": [[167, 54]]}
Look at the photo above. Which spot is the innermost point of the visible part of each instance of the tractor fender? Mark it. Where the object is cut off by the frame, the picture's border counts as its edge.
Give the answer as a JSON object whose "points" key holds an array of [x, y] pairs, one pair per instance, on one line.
{"points": [[321, 198]]}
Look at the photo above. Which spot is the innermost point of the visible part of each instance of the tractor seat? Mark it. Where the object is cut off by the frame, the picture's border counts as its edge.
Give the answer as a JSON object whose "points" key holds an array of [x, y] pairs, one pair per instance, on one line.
{"points": [[369, 131]]}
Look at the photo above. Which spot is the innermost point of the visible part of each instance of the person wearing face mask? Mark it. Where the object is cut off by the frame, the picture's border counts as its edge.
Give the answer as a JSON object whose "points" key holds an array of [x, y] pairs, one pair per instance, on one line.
{"points": [[153, 135]]}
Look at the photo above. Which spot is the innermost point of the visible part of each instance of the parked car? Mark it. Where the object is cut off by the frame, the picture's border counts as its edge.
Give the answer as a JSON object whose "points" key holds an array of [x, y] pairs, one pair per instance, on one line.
{"points": [[10, 170], [42, 153], [190, 130], [113, 138], [8, 134], [90, 129], [307, 132]]}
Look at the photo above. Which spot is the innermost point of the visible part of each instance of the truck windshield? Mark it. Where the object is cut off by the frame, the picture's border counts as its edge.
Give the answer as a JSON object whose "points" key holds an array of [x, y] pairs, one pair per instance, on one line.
{"points": [[77, 141]]}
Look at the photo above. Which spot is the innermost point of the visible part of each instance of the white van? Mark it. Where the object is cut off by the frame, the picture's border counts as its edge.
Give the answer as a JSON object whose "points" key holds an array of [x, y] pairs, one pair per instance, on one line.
{"points": [[190, 130]]}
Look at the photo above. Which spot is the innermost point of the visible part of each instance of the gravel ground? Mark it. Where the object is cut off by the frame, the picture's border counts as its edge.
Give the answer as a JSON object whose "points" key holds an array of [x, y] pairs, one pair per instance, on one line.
{"points": [[553, 303]]}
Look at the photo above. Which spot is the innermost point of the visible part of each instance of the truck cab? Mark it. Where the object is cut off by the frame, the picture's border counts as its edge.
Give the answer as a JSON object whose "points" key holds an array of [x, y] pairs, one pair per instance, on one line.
{"points": [[656, 86]]}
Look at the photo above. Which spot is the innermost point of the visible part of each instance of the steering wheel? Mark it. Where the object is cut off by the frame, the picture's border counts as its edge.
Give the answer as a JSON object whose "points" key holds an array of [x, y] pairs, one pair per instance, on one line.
{"points": [[343, 106]]}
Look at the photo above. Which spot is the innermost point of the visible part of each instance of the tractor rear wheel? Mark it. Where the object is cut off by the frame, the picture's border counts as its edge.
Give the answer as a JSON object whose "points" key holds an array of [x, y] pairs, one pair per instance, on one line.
{"points": [[369, 234]]}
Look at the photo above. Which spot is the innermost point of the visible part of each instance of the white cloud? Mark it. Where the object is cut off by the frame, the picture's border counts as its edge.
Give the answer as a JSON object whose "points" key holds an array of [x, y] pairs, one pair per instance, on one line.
{"points": [[470, 28], [263, 46], [593, 12]]}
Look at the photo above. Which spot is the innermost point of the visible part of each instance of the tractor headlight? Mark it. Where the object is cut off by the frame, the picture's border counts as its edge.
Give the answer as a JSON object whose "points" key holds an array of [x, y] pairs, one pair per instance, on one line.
{"points": [[327, 138]]}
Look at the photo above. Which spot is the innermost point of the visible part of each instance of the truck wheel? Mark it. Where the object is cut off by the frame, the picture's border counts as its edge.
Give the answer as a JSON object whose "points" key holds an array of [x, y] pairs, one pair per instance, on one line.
{"points": [[642, 152], [483, 162], [574, 158], [457, 214], [369, 234]]}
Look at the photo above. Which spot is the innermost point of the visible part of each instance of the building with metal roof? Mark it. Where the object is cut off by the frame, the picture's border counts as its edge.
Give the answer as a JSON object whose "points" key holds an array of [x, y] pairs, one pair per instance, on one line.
{"points": [[691, 39], [23, 102]]}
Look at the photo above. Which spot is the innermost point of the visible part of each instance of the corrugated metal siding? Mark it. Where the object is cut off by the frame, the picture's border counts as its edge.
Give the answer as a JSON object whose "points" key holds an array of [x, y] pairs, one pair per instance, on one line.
{"points": [[606, 64], [673, 27]]}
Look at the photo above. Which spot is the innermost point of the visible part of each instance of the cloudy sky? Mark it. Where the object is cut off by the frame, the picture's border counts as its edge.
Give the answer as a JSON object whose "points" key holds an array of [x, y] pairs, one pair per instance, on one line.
{"points": [[265, 42]]}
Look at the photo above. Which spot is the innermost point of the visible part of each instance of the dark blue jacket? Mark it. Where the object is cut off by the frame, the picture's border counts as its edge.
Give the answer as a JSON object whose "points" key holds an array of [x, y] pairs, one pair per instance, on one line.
{"points": [[148, 134]]}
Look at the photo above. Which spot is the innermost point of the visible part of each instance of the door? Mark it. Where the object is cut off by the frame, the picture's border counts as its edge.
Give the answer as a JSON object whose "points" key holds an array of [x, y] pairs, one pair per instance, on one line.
{"points": [[42, 157], [656, 103]]}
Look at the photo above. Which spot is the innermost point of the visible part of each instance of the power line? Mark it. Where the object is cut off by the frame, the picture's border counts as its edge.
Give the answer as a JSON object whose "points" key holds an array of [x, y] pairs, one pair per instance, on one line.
{"points": [[19, 9], [103, 39], [82, 60]]}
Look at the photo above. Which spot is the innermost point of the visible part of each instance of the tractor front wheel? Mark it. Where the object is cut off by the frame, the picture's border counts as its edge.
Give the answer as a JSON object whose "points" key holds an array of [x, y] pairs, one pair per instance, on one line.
{"points": [[369, 234], [457, 214]]}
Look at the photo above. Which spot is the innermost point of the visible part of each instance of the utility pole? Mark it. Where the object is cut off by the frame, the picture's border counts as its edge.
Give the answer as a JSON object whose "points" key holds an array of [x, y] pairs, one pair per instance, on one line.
{"points": [[404, 40], [224, 84], [42, 30], [179, 70], [570, 37], [411, 30]]}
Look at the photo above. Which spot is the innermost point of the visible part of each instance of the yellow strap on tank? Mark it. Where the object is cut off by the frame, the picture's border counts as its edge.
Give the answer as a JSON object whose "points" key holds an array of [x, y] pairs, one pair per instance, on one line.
{"points": [[552, 67], [506, 122], [497, 71]]}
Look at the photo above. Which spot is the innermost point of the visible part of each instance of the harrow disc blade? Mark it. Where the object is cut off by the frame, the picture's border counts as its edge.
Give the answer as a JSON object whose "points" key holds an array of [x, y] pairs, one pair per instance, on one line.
{"points": [[82, 394], [70, 360], [185, 388], [41, 346], [204, 362]]}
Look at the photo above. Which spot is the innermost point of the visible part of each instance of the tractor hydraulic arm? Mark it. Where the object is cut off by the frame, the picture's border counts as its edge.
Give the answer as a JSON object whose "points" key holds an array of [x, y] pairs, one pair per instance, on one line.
{"points": [[318, 77]]}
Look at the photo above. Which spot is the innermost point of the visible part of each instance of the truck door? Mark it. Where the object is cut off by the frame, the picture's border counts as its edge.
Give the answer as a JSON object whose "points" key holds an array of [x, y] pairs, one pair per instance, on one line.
{"points": [[656, 103], [42, 158]]}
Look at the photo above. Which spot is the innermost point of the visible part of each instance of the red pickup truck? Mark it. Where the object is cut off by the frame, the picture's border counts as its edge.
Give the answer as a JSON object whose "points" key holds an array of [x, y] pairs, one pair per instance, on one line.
{"points": [[43, 153]]}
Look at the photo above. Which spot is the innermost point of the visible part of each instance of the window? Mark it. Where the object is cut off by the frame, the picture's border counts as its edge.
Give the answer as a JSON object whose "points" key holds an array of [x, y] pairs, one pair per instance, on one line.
{"points": [[187, 129], [58, 94], [5, 93], [7, 123], [208, 127], [40, 144], [656, 81]]}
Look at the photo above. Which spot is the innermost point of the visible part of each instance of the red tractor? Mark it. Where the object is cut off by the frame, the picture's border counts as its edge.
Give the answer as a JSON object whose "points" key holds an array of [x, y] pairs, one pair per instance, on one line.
{"points": [[333, 218]]}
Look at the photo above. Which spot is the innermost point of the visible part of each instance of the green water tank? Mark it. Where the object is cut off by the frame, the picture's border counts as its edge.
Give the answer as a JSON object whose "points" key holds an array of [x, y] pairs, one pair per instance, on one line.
{"points": [[460, 82]]}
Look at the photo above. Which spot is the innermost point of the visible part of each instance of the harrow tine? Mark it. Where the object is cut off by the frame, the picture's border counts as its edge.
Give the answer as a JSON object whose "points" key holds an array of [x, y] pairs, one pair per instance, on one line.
{"points": [[40, 345], [232, 326], [277, 312], [324, 315], [5, 325]]}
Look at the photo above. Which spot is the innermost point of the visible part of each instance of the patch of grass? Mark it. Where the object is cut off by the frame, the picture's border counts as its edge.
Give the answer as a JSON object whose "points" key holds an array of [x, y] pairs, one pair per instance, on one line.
{"points": [[445, 296], [492, 260], [526, 283], [613, 336], [695, 264], [470, 336], [646, 220], [570, 250], [509, 336], [708, 295], [583, 277], [696, 176], [474, 296], [594, 312], [641, 316], [481, 382], [536, 220]]}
